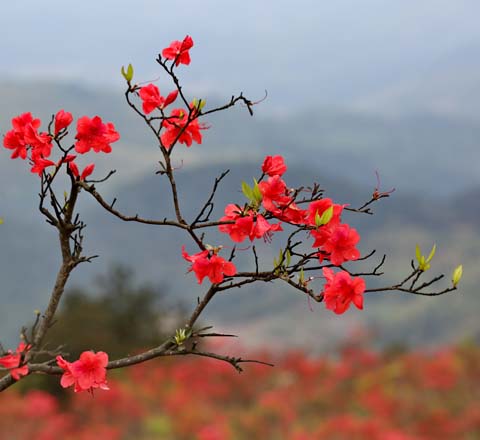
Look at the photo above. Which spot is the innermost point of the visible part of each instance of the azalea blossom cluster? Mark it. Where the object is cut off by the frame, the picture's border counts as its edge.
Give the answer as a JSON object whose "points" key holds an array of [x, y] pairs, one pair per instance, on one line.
{"points": [[271, 199], [181, 125], [27, 141], [334, 241]]}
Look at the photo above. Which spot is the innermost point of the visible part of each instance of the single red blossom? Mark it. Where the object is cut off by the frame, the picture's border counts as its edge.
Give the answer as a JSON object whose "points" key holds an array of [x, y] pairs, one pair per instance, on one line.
{"points": [[247, 224], [62, 120], [93, 133], [341, 289], [150, 95], [179, 128], [205, 264], [41, 142], [178, 51], [86, 373], [13, 361], [39, 164], [274, 166], [338, 241], [243, 223], [15, 139], [274, 193], [318, 207], [20, 122], [152, 99]]}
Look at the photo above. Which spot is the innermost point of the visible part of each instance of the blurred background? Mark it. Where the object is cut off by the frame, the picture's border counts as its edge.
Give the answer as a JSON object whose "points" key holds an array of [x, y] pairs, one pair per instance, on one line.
{"points": [[352, 88]]}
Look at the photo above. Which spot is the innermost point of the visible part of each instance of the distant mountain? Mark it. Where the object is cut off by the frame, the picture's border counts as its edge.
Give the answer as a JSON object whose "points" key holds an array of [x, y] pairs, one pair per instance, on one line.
{"points": [[448, 88], [423, 153]]}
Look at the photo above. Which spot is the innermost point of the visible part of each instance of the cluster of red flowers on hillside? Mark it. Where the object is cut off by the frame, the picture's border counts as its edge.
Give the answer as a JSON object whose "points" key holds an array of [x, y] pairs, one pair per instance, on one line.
{"points": [[358, 394]]}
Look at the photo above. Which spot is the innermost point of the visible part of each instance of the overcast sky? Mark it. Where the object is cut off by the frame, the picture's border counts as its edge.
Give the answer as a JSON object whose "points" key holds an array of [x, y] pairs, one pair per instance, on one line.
{"points": [[303, 51]]}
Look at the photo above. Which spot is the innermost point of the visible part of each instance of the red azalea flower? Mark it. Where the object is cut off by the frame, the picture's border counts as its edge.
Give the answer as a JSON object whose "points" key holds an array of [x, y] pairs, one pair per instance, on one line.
{"points": [[12, 361], [93, 133], [87, 373], [291, 214], [178, 51], [246, 225], [274, 191], [211, 266], [274, 166], [341, 289], [150, 95], [152, 99], [15, 139], [338, 241], [62, 120], [39, 164], [41, 142], [319, 207], [261, 228], [179, 126]]}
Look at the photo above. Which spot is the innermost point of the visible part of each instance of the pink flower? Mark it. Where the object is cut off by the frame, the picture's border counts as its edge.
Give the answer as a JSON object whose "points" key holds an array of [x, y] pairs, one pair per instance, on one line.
{"points": [[13, 361], [178, 51], [179, 126], [62, 120], [87, 373], [209, 265], [274, 166], [93, 133], [341, 289]]}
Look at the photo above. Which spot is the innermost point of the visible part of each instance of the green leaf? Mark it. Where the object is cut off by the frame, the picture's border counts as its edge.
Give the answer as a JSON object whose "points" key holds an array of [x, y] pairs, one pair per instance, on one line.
{"points": [[457, 275], [288, 257], [257, 194], [128, 75], [326, 216], [247, 191], [301, 277]]}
